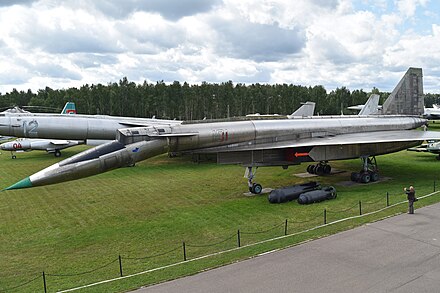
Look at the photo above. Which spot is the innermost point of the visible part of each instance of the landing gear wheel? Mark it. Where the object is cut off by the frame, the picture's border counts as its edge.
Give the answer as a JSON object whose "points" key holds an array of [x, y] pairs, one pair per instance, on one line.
{"points": [[256, 188], [355, 176], [369, 171], [319, 169], [374, 176], [438, 157], [250, 175], [13, 156], [365, 178], [57, 153]]}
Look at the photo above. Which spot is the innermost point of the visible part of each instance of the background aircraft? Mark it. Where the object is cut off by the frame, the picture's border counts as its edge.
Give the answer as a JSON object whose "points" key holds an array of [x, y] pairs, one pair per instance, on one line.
{"points": [[432, 113], [96, 128], [50, 145], [430, 147], [307, 109], [371, 107], [255, 143], [428, 113]]}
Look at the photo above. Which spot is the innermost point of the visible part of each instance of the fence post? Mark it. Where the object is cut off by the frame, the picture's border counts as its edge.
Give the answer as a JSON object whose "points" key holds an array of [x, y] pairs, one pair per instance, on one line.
{"points": [[285, 228], [388, 199], [184, 251], [238, 238], [325, 216], [360, 208], [44, 283], [120, 266]]}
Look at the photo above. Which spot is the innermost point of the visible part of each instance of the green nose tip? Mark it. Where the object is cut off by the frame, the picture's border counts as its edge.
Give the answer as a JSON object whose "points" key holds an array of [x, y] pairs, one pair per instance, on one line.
{"points": [[25, 183]]}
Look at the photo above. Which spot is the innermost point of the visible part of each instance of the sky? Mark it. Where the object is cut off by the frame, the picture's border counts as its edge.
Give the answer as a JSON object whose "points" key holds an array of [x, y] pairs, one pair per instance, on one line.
{"points": [[357, 44]]}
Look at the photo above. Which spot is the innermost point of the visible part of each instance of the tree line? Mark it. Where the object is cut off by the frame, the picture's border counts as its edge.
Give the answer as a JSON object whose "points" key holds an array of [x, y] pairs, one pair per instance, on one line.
{"points": [[194, 102]]}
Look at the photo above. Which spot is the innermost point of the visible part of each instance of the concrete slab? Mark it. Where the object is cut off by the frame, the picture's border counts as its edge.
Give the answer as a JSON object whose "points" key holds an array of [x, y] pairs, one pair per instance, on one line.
{"points": [[263, 191], [399, 254]]}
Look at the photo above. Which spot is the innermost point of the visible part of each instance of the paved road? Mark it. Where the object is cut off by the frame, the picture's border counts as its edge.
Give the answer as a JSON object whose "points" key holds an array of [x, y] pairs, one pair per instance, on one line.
{"points": [[399, 254]]}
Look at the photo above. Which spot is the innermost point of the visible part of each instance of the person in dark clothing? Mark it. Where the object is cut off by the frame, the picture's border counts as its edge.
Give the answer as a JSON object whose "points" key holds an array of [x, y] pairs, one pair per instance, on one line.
{"points": [[411, 195]]}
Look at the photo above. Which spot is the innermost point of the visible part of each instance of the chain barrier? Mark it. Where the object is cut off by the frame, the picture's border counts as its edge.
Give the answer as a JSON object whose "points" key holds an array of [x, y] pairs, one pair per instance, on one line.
{"points": [[343, 211], [152, 256], [374, 202], [82, 273], [263, 231], [208, 245], [21, 285], [318, 216]]}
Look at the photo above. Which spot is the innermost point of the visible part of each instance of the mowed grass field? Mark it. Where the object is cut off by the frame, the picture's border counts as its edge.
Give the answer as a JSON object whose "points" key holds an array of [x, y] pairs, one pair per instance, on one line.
{"points": [[75, 231]]}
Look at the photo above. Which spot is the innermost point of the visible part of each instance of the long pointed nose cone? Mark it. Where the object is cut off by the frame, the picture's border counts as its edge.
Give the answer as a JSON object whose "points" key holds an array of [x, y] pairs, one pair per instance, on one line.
{"points": [[93, 161], [25, 183]]}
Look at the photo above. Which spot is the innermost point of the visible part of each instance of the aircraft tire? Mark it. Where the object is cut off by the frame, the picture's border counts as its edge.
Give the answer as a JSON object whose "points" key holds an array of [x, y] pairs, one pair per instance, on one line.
{"points": [[57, 154], [319, 169], [365, 178], [374, 176], [355, 176], [327, 169], [256, 188], [13, 156]]}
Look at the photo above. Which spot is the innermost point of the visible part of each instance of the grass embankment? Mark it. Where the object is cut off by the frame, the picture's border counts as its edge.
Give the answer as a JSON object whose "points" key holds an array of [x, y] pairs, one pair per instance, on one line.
{"points": [[151, 209]]}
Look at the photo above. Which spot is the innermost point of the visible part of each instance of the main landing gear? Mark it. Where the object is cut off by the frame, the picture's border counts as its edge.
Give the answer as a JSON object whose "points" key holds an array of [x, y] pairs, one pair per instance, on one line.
{"points": [[319, 169], [57, 153], [369, 172], [250, 174], [13, 156]]}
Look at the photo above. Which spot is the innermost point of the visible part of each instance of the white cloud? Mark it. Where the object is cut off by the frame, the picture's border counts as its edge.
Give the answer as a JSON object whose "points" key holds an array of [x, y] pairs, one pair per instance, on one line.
{"points": [[309, 42], [407, 8]]}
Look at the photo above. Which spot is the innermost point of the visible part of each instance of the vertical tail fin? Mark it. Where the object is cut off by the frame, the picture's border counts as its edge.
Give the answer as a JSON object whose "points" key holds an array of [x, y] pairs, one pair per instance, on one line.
{"points": [[69, 108], [371, 105], [307, 109], [407, 96]]}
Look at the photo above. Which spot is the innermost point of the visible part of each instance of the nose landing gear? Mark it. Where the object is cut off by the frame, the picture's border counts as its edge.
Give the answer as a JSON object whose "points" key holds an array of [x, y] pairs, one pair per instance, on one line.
{"points": [[250, 175]]}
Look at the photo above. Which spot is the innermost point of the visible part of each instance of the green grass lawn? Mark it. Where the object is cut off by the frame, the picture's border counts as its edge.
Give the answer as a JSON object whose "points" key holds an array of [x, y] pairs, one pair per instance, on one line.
{"points": [[150, 209]]}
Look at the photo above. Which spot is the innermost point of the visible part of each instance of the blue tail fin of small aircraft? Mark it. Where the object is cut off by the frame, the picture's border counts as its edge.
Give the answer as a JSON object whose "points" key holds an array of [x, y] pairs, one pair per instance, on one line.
{"points": [[69, 108]]}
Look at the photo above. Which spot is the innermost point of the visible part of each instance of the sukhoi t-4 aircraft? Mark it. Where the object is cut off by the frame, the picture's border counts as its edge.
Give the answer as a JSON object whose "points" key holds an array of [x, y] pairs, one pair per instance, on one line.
{"points": [[255, 143]]}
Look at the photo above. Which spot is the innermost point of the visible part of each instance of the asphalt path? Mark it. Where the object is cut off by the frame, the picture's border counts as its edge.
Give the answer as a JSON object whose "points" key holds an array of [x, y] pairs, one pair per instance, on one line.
{"points": [[398, 254]]}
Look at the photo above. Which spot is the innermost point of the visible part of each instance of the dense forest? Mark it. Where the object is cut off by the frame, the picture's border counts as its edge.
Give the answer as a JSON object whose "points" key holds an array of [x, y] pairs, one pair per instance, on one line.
{"points": [[193, 102]]}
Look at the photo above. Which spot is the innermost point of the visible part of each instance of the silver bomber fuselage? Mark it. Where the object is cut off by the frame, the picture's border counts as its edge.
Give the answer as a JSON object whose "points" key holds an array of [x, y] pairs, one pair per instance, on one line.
{"points": [[230, 135], [74, 127], [137, 144]]}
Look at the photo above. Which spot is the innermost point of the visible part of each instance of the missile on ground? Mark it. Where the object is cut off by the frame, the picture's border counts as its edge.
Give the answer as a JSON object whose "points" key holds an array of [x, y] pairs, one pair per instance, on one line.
{"points": [[290, 193]]}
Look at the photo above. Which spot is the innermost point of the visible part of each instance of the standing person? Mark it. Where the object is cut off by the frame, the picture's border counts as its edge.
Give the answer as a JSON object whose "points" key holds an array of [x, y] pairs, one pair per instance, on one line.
{"points": [[411, 195]]}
